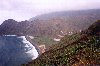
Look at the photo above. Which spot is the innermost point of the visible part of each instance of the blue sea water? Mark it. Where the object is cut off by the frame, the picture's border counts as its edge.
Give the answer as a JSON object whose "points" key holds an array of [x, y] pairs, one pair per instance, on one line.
{"points": [[16, 50]]}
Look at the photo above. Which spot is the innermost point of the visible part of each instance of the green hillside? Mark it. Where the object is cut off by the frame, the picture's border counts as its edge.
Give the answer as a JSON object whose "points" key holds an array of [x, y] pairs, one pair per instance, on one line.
{"points": [[76, 50]]}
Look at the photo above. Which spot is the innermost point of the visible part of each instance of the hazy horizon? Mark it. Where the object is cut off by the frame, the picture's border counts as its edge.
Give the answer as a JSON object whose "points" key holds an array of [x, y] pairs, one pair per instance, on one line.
{"points": [[20, 10]]}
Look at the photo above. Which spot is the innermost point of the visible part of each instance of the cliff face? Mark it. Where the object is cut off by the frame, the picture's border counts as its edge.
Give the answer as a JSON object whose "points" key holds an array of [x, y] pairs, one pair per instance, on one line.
{"points": [[16, 50], [12, 27]]}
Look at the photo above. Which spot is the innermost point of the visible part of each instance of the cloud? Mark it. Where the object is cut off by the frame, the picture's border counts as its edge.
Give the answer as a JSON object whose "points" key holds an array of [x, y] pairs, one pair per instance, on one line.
{"points": [[25, 9], [46, 4]]}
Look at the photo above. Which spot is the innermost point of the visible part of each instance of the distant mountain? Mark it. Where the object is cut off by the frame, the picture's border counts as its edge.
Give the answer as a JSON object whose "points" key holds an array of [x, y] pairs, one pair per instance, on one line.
{"points": [[82, 51], [48, 27], [67, 14], [52, 24], [66, 21]]}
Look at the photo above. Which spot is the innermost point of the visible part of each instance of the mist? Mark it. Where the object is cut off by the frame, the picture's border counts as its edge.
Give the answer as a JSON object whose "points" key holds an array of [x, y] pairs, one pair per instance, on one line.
{"points": [[25, 9]]}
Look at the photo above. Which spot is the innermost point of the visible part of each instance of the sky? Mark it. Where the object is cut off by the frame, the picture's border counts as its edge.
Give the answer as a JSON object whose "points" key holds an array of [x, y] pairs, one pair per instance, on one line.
{"points": [[21, 10]]}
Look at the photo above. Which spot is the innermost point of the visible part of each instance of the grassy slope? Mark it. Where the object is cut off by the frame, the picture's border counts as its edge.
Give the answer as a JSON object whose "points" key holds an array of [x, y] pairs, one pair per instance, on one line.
{"points": [[85, 50], [44, 40]]}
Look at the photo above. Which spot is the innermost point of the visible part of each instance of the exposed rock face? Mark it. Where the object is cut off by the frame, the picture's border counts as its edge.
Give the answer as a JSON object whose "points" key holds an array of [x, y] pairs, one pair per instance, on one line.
{"points": [[12, 27], [16, 50]]}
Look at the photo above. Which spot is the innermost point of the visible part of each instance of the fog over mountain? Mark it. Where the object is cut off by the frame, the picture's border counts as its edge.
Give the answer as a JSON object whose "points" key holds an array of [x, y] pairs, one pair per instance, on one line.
{"points": [[52, 24], [29, 28], [21, 10], [44, 29]]}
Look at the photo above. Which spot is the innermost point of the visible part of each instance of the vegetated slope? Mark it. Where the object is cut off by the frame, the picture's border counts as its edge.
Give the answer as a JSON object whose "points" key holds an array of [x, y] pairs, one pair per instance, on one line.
{"points": [[12, 27], [84, 51], [66, 21], [53, 25]]}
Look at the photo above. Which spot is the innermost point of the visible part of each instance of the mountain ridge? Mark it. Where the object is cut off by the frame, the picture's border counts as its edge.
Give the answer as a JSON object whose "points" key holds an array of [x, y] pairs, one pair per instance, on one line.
{"points": [[51, 29], [83, 51]]}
